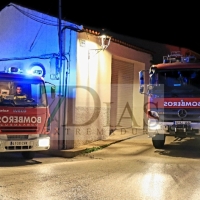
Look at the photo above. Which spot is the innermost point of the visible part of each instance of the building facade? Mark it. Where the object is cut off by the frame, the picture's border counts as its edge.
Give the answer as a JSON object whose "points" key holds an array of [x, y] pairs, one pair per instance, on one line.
{"points": [[96, 87]]}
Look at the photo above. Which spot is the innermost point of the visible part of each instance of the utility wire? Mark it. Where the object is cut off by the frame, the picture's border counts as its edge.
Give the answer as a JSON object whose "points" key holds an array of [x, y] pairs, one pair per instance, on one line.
{"points": [[43, 20]]}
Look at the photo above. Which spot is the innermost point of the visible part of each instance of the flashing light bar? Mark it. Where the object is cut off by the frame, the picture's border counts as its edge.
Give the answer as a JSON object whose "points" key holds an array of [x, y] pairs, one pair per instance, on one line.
{"points": [[177, 57], [35, 70], [14, 70]]}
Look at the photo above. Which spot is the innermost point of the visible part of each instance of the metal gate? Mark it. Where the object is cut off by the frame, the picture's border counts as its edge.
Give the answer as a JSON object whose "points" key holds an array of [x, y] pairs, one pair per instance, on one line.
{"points": [[121, 94]]}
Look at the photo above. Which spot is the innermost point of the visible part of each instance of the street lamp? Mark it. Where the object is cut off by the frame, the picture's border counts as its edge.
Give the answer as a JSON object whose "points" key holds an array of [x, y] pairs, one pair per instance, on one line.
{"points": [[104, 41]]}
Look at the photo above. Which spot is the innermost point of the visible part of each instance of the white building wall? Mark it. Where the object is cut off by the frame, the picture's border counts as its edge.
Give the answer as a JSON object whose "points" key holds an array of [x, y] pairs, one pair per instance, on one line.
{"points": [[94, 73], [93, 94]]}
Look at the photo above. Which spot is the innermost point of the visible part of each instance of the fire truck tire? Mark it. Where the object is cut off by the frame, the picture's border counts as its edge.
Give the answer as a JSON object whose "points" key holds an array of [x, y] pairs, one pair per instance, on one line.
{"points": [[28, 155], [158, 141]]}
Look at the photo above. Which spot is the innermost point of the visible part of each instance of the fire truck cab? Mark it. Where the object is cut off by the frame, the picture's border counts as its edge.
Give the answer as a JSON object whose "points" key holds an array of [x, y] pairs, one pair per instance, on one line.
{"points": [[173, 90], [24, 119]]}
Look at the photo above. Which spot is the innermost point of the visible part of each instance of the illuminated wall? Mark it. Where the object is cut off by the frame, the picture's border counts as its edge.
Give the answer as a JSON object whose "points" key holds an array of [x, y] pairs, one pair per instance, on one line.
{"points": [[94, 74], [93, 94]]}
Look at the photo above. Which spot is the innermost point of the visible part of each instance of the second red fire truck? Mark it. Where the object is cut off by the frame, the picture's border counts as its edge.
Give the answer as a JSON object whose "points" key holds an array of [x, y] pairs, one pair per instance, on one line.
{"points": [[173, 106]]}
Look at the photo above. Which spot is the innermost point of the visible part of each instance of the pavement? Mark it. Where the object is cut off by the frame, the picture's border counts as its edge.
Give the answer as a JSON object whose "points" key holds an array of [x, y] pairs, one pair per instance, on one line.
{"points": [[115, 137]]}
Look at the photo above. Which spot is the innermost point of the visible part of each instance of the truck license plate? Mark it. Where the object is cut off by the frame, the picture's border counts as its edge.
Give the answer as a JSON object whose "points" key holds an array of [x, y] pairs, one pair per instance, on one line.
{"points": [[182, 122], [18, 143]]}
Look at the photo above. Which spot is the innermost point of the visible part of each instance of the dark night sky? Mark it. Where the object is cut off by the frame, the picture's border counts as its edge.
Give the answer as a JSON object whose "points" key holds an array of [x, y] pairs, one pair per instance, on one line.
{"points": [[170, 23]]}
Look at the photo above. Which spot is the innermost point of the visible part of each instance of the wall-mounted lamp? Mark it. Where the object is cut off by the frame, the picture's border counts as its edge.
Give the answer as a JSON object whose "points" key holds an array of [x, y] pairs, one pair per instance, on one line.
{"points": [[104, 41]]}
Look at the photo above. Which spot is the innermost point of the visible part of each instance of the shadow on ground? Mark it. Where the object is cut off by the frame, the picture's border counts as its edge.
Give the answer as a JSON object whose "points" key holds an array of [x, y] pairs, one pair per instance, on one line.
{"points": [[186, 148], [16, 159]]}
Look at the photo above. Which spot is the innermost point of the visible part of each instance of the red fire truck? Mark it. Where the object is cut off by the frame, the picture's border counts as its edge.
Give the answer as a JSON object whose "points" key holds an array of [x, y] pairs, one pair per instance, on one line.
{"points": [[24, 119], [173, 106]]}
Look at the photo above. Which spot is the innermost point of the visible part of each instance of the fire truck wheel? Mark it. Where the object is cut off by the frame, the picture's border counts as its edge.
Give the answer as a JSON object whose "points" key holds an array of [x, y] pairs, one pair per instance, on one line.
{"points": [[158, 141], [28, 155]]}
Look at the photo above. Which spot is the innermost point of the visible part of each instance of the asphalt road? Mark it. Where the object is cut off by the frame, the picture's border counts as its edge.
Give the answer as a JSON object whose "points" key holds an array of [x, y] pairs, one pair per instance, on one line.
{"points": [[131, 169]]}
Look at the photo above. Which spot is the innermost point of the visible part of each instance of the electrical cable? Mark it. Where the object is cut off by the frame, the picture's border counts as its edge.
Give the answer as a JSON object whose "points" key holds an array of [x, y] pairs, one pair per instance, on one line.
{"points": [[42, 20], [45, 56]]}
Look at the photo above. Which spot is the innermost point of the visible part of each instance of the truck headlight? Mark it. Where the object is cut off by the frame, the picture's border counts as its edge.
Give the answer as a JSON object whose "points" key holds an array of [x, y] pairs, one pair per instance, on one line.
{"points": [[44, 142]]}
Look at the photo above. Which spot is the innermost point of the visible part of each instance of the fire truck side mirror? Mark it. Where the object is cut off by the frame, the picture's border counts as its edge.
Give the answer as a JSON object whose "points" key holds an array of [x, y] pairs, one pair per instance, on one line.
{"points": [[141, 80], [53, 92]]}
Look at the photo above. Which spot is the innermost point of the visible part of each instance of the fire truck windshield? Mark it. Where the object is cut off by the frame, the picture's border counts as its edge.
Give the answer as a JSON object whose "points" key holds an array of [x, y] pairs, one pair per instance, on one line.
{"points": [[22, 92], [177, 83]]}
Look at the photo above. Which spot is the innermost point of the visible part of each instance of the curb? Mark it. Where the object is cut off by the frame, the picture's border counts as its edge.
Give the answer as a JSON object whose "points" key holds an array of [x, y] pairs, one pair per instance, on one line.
{"points": [[71, 153]]}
